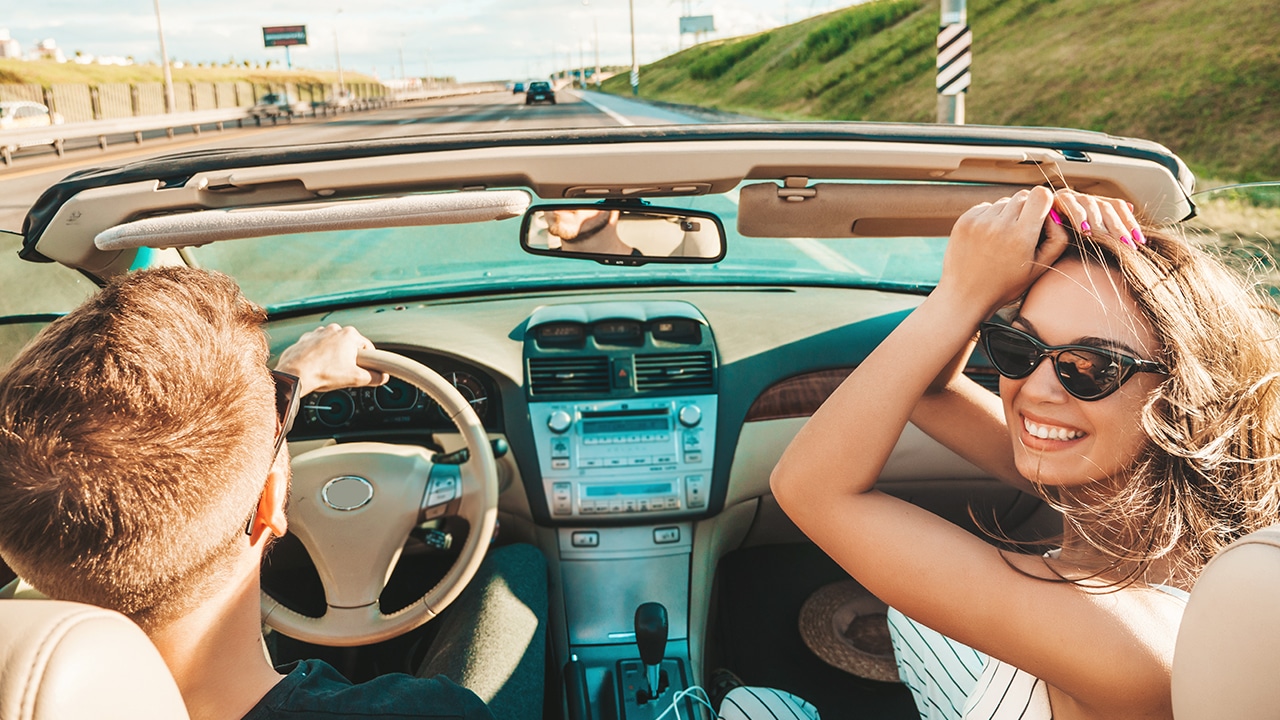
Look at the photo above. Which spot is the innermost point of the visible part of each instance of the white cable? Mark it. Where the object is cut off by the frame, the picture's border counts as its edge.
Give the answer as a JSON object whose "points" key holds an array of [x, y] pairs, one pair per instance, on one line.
{"points": [[690, 692]]}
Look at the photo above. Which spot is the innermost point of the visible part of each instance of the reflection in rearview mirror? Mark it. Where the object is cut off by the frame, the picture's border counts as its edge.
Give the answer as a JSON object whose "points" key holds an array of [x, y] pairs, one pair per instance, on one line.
{"points": [[626, 235]]}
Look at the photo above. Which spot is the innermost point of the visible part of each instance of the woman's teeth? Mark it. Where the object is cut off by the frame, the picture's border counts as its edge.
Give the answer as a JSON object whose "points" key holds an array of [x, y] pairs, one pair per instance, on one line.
{"points": [[1048, 432]]}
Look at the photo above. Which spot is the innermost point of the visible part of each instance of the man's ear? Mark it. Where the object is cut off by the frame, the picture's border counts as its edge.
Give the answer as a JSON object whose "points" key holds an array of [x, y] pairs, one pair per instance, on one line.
{"points": [[270, 515]]}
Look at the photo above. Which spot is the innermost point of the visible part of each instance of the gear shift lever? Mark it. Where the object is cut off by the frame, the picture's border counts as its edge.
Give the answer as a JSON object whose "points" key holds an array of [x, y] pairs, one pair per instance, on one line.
{"points": [[651, 637]]}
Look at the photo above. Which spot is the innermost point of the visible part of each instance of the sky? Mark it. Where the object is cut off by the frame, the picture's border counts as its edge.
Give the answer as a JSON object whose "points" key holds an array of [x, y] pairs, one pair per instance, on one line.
{"points": [[471, 40]]}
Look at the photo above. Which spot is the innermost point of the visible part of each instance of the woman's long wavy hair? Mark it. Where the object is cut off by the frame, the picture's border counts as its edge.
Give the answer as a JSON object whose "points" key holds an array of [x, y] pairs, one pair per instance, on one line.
{"points": [[1210, 472]]}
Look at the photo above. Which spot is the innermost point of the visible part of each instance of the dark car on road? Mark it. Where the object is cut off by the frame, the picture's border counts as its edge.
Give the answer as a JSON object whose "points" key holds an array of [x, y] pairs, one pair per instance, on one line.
{"points": [[539, 92], [517, 88]]}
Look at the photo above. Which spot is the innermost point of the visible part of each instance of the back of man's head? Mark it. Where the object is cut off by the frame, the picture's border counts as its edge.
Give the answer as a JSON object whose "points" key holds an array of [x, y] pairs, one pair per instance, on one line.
{"points": [[135, 437]]}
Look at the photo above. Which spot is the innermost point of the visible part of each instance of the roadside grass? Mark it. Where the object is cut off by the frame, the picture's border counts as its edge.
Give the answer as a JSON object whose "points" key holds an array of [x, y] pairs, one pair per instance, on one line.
{"points": [[1199, 76]]}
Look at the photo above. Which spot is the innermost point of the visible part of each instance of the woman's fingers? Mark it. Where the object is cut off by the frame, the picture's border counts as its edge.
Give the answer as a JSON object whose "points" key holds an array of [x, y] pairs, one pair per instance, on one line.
{"points": [[1090, 214]]}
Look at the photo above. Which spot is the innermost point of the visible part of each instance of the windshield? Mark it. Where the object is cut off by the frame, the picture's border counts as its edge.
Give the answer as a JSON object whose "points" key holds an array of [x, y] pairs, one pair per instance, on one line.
{"points": [[284, 272]]}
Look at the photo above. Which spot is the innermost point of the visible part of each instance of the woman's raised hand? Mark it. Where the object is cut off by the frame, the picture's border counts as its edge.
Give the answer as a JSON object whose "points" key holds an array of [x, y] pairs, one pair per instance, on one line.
{"points": [[998, 249]]}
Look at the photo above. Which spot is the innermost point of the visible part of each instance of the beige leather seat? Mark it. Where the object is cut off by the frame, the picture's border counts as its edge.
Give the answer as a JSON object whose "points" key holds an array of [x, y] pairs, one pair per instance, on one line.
{"points": [[68, 661], [1227, 660]]}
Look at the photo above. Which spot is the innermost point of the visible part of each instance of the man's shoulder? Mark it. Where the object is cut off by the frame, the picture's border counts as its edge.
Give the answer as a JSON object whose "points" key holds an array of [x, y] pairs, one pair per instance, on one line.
{"points": [[314, 689]]}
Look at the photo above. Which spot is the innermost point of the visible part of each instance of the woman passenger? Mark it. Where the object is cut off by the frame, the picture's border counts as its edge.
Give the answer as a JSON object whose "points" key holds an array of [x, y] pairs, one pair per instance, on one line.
{"points": [[1137, 396]]}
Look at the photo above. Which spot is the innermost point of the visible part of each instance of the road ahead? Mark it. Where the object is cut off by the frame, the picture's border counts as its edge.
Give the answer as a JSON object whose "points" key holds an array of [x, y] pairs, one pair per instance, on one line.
{"points": [[22, 184]]}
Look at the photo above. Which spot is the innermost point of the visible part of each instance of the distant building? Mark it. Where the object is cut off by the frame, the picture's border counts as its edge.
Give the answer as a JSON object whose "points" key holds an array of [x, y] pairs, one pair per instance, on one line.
{"points": [[9, 48], [48, 50]]}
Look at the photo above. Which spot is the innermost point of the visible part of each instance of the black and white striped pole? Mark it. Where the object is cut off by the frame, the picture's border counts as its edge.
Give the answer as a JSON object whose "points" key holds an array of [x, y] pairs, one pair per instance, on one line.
{"points": [[635, 63], [955, 55]]}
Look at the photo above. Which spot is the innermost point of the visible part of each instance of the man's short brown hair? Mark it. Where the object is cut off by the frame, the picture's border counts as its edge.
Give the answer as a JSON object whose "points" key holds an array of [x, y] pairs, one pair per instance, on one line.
{"points": [[135, 438]]}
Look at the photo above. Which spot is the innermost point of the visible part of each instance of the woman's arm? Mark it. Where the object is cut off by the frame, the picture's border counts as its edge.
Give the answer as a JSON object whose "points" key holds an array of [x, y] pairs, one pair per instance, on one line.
{"points": [[968, 420]]}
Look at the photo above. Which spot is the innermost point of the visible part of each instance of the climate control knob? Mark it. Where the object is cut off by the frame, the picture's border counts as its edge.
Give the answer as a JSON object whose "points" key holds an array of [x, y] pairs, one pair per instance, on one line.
{"points": [[559, 421], [690, 415]]}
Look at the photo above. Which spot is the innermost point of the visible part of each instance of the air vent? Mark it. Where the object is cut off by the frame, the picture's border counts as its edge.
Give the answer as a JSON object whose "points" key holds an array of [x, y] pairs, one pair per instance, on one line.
{"points": [[567, 376], [673, 371]]}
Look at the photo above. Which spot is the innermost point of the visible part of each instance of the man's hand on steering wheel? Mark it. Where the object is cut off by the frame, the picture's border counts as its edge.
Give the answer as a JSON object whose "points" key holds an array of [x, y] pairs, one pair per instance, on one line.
{"points": [[325, 359]]}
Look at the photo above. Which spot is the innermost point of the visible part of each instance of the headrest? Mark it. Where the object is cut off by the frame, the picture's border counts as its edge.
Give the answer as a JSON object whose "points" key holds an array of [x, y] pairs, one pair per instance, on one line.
{"points": [[1224, 665], [65, 661]]}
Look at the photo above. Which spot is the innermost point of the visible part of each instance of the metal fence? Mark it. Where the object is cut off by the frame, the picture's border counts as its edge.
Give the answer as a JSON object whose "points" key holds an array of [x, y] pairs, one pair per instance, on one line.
{"points": [[108, 101]]}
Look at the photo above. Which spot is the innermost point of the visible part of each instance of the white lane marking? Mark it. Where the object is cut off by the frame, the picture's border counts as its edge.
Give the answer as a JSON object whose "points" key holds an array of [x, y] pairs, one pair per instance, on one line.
{"points": [[826, 257], [407, 121], [616, 117], [504, 120]]}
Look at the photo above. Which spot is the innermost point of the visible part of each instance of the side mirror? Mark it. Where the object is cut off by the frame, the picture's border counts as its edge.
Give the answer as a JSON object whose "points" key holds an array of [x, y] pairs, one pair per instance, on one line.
{"points": [[619, 233]]}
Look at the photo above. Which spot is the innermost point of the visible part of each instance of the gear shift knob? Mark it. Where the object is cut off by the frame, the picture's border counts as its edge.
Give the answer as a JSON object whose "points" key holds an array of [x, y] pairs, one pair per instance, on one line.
{"points": [[651, 637], [651, 632]]}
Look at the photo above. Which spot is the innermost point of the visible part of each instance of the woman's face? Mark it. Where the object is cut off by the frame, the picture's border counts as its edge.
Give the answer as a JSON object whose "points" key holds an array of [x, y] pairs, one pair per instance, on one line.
{"points": [[1058, 439]]}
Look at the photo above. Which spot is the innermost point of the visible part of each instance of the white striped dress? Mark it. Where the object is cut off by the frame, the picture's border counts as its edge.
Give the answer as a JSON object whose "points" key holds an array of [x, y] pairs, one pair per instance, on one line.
{"points": [[952, 681]]}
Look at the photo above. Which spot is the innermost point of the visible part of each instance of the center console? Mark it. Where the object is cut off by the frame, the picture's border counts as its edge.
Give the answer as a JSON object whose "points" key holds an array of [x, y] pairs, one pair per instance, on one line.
{"points": [[622, 398]]}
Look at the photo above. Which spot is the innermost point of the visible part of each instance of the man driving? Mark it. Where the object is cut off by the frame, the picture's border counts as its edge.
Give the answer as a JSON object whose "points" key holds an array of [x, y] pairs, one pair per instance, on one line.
{"points": [[137, 435], [588, 231]]}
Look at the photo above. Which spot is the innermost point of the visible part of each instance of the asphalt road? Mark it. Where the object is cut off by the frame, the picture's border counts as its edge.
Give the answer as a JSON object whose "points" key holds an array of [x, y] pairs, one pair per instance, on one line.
{"points": [[22, 183]]}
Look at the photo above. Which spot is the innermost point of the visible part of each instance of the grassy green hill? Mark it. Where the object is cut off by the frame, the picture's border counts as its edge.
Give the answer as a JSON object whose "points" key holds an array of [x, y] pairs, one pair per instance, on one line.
{"points": [[1200, 76]]}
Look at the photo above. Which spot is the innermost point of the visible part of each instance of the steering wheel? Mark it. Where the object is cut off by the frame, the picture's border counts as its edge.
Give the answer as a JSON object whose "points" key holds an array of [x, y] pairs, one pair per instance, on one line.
{"points": [[353, 505]]}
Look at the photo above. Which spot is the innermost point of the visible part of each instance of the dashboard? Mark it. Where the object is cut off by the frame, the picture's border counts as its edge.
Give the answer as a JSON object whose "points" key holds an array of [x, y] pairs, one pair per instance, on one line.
{"points": [[623, 408]]}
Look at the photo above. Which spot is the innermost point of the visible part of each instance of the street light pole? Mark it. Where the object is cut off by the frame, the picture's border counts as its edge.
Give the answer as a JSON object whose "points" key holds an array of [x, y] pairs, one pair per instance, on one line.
{"points": [[337, 54], [169, 104], [635, 64]]}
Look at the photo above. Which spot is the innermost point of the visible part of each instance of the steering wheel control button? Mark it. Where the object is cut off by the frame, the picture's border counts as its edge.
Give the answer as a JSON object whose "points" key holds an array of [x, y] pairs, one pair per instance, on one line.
{"points": [[559, 421], [347, 493], [585, 538], [665, 535], [444, 487]]}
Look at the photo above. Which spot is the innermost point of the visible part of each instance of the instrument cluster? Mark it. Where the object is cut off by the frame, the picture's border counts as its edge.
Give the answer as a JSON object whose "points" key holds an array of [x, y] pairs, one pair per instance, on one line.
{"points": [[396, 406]]}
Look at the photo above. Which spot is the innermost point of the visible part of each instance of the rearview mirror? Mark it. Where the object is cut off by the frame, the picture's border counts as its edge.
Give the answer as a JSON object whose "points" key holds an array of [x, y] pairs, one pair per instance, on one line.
{"points": [[621, 233]]}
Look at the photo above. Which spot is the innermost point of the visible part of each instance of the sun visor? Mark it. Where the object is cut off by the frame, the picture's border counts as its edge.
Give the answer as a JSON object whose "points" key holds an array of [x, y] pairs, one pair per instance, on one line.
{"points": [[845, 210], [208, 226]]}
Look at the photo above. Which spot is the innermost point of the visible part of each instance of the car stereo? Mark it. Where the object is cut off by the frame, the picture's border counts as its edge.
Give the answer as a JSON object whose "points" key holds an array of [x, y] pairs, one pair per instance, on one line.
{"points": [[617, 458]]}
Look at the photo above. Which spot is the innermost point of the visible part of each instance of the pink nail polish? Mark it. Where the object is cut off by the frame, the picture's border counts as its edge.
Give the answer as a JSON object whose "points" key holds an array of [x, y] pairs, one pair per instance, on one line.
{"points": [[1054, 216], [1084, 226], [1125, 239], [1138, 236]]}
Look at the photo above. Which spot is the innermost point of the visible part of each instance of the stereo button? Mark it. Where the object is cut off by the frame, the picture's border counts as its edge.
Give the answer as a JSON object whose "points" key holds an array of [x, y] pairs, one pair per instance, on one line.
{"points": [[694, 491], [561, 498], [559, 421], [586, 538]]}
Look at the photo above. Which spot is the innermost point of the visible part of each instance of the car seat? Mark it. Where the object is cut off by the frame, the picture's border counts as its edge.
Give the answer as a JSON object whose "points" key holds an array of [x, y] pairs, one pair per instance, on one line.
{"points": [[68, 661], [1224, 661]]}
